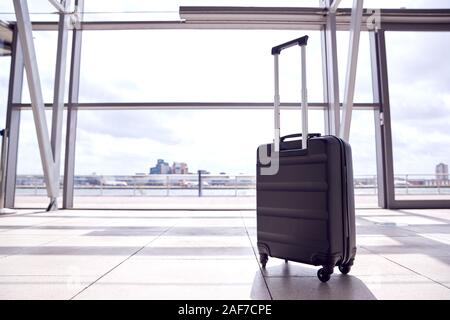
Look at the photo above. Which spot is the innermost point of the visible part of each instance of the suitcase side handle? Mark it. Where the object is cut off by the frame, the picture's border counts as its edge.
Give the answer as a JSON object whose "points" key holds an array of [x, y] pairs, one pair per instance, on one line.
{"points": [[299, 135], [303, 41]]}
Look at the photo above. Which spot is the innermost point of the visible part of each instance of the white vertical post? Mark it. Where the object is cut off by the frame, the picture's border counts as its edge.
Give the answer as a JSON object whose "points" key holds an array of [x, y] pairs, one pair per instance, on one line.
{"points": [[332, 76], [304, 101], [10, 141], [72, 113], [167, 185], [277, 104], [352, 63], [58, 95], [37, 101], [407, 184], [4, 152]]}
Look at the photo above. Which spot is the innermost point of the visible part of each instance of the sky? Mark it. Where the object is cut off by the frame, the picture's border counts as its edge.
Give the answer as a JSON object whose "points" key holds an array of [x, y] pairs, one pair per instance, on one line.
{"points": [[201, 66]]}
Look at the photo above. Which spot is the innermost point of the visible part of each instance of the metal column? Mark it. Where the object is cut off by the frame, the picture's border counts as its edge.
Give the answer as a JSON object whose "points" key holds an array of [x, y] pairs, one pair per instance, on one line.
{"points": [[329, 41], [352, 63], [8, 185], [385, 168], [72, 113], [58, 95], [334, 5], [37, 102]]}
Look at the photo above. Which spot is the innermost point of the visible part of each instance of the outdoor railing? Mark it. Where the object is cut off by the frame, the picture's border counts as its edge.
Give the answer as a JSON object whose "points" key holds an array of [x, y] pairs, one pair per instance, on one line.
{"points": [[187, 185]]}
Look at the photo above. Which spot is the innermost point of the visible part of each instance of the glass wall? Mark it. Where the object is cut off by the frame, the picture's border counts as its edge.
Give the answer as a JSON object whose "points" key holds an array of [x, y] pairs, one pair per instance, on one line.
{"points": [[362, 140], [420, 112], [194, 66], [117, 149], [4, 85], [362, 133], [363, 83], [46, 44], [397, 4], [30, 186]]}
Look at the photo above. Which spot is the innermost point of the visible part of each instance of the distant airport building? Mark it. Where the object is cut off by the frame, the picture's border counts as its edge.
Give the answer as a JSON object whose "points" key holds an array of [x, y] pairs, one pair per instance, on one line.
{"points": [[442, 172], [161, 167], [180, 168]]}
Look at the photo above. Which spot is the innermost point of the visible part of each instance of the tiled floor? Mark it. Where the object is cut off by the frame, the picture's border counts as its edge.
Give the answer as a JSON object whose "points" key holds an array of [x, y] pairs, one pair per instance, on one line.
{"points": [[101, 254]]}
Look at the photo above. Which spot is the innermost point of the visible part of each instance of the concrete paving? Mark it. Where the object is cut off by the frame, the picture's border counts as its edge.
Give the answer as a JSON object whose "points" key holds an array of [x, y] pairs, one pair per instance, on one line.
{"points": [[181, 254]]}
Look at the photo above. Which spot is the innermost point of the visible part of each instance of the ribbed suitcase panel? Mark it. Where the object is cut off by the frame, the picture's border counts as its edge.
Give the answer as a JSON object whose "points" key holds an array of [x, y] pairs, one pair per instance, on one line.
{"points": [[299, 214], [305, 233]]}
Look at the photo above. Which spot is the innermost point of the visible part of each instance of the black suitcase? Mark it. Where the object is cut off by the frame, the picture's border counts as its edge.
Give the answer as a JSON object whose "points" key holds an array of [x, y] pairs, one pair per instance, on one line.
{"points": [[305, 199]]}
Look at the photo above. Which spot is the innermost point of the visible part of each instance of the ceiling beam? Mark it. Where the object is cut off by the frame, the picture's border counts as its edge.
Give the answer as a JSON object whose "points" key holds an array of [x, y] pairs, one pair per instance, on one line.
{"points": [[268, 18]]}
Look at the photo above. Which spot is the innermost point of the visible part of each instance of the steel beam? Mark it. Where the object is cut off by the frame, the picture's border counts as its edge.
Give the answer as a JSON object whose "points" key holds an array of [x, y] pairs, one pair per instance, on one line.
{"points": [[58, 5], [352, 64], [4, 150], [378, 117], [385, 166], [332, 76], [8, 185], [58, 94], [72, 114], [334, 5], [194, 106], [37, 101], [265, 18]]}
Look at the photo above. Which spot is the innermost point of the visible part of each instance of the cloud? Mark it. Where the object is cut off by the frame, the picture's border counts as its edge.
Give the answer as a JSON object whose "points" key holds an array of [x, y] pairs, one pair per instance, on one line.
{"points": [[128, 124], [413, 64]]}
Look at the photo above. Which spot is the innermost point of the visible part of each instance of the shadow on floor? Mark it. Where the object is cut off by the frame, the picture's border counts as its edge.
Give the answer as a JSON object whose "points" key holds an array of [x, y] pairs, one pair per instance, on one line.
{"points": [[294, 281]]}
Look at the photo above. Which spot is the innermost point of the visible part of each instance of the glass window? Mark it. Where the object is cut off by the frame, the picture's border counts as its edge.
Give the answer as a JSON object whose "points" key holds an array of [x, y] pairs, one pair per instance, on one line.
{"points": [[212, 140], [117, 149], [39, 11], [363, 84], [397, 4], [45, 45], [252, 3], [4, 85], [130, 10], [420, 111], [30, 188], [362, 140], [135, 10], [194, 65]]}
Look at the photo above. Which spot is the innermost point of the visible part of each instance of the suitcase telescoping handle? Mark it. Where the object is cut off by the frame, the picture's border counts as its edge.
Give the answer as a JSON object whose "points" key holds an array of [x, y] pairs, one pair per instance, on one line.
{"points": [[302, 42]]}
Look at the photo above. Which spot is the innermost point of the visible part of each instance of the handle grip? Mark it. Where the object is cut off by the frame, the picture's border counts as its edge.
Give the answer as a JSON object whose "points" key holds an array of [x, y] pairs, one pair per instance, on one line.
{"points": [[299, 135], [303, 41]]}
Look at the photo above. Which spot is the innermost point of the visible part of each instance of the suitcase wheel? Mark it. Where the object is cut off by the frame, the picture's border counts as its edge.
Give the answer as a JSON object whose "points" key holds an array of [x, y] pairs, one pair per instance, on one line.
{"points": [[323, 275], [263, 258], [345, 269]]}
